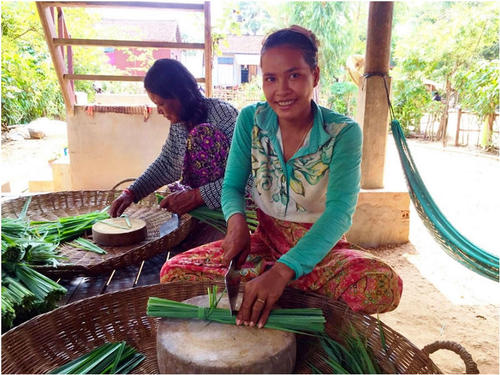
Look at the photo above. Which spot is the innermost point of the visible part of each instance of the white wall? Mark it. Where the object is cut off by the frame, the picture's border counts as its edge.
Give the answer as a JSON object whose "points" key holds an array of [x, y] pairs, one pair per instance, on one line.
{"points": [[108, 147], [223, 75]]}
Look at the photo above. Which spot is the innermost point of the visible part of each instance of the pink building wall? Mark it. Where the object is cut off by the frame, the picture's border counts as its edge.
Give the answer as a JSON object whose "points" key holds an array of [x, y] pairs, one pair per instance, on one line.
{"points": [[123, 61]]}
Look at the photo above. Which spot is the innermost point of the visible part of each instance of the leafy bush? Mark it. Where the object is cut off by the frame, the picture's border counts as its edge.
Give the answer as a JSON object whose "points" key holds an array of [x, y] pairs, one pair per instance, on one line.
{"points": [[29, 85], [30, 88], [342, 97], [248, 93], [411, 101], [478, 87]]}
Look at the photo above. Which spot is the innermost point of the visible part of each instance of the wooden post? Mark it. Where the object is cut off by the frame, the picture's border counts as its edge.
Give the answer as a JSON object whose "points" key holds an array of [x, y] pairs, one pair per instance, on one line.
{"points": [[378, 40], [374, 108], [56, 43], [62, 32], [60, 28], [208, 50], [457, 134], [48, 24]]}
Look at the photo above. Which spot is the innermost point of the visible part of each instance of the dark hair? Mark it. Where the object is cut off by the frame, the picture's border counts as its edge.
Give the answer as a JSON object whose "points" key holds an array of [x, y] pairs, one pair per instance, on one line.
{"points": [[171, 80], [297, 37]]}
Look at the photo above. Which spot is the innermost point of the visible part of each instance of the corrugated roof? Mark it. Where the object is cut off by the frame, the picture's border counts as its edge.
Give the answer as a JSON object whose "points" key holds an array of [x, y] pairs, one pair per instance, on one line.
{"points": [[242, 44]]}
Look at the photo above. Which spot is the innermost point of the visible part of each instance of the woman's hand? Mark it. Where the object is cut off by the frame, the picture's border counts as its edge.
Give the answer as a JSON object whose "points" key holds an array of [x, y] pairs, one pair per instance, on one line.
{"points": [[121, 203], [181, 202], [262, 293], [237, 240]]}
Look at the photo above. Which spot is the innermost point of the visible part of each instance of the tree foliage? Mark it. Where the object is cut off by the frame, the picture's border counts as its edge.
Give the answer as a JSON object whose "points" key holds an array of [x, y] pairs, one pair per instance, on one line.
{"points": [[340, 28], [444, 42], [255, 20], [478, 87], [29, 84]]}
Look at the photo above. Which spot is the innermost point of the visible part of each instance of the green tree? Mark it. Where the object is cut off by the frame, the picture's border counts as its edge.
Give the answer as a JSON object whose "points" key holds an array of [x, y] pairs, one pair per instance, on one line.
{"points": [[478, 88], [29, 84], [340, 28], [255, 19], [437, 41]]}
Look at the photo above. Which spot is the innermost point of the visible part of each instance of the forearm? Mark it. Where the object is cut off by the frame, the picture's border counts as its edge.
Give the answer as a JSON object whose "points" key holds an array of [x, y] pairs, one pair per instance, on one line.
{"points": [[167, 167], [157, 175], [321, 238], [238, 168]]}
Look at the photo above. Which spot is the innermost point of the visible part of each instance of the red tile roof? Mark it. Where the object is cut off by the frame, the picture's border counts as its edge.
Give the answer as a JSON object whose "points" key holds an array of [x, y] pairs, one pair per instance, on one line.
{"points": [[147, 30]]}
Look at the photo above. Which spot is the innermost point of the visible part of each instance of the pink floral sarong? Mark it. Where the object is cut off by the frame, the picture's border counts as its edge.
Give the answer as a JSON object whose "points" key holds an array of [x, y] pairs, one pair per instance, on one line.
{"points": [[364, 282]]}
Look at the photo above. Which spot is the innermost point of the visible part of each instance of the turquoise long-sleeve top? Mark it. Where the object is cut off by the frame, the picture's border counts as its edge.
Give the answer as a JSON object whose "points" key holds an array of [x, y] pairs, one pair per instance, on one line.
{"points": [[319, 184]]}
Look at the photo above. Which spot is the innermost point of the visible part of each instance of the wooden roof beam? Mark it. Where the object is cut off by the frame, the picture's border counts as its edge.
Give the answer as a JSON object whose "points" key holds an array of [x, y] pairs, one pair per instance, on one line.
{"points": [[373, 107], [125, 43], [48, 25], [124, 4], [104, 77]]}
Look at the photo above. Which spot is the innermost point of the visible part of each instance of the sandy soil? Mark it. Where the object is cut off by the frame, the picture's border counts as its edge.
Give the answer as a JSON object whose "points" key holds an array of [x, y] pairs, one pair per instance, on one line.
{"points": [[442, 300], [25, 159]]}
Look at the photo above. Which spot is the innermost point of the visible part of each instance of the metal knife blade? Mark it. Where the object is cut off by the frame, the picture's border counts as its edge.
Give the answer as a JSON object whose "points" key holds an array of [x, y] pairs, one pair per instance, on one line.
{"points": [[232, 279], [170, 225]]}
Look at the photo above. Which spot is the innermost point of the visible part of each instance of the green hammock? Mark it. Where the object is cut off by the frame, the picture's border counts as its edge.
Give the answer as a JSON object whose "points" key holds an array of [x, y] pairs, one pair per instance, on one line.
{"points": [[455, 245]]}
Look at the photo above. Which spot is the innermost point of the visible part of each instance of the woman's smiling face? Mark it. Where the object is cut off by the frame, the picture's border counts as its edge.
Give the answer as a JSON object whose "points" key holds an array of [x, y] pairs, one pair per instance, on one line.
{"points": [[288, 82], [169, 108]]}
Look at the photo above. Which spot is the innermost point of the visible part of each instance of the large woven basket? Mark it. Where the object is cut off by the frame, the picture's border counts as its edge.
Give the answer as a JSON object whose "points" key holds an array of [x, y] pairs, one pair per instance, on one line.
{"points": [[52, 339], [53, 206]]}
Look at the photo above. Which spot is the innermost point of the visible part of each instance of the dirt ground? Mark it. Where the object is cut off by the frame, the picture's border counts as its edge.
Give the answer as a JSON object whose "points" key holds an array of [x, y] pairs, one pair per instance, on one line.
{"points": [[442, 300], [25, 159]]}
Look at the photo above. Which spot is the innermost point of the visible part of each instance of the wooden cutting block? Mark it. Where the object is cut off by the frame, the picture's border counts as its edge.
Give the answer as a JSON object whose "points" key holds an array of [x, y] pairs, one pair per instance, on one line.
{"points": [[188, 346], [116, 232]]}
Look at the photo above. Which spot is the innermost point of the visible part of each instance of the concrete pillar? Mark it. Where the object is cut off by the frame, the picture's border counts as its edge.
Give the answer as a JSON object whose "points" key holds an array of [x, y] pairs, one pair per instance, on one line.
{"points": [[373, 108], [381, 218], [61, 174]]}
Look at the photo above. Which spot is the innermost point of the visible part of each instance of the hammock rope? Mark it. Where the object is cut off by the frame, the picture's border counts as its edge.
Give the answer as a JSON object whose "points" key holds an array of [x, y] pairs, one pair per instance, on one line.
{"points": [[454, 243]]}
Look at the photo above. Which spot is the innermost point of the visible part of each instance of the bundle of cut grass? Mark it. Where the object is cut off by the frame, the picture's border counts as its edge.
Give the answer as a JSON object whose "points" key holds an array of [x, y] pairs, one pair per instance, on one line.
{"points": [[354, 357], [215, 218], [21, 297], [109, 358], [29, 249], [26, 293], [36, 242], [67, 228], [304, 321], [8, 312], [47, 292]]}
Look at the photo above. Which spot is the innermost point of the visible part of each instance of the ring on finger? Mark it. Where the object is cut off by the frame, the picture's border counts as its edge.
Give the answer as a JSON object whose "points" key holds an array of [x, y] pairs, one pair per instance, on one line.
{"points": [[261, 300]]}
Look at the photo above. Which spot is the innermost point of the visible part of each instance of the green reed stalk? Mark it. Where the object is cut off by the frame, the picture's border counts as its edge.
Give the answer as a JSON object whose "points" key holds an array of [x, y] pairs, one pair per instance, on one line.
{"points": [[305, 321], [109, 358]]}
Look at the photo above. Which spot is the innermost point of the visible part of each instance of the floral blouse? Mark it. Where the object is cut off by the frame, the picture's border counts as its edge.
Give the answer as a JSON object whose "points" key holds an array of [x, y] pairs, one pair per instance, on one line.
{"points": [[319, 184]]}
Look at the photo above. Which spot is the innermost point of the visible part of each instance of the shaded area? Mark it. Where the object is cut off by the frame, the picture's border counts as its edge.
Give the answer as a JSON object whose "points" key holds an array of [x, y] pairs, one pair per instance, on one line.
{"points": [[123, 278]]}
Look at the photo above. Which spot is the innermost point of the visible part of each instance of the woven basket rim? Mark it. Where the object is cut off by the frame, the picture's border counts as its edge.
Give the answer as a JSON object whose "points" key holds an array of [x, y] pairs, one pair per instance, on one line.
{"points": [[135, 330], [96, 265]]}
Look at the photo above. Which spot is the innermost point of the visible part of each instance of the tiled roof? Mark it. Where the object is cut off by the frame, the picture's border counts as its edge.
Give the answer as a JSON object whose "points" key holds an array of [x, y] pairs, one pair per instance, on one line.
{"points": [[242, 44], [147, 30]]}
